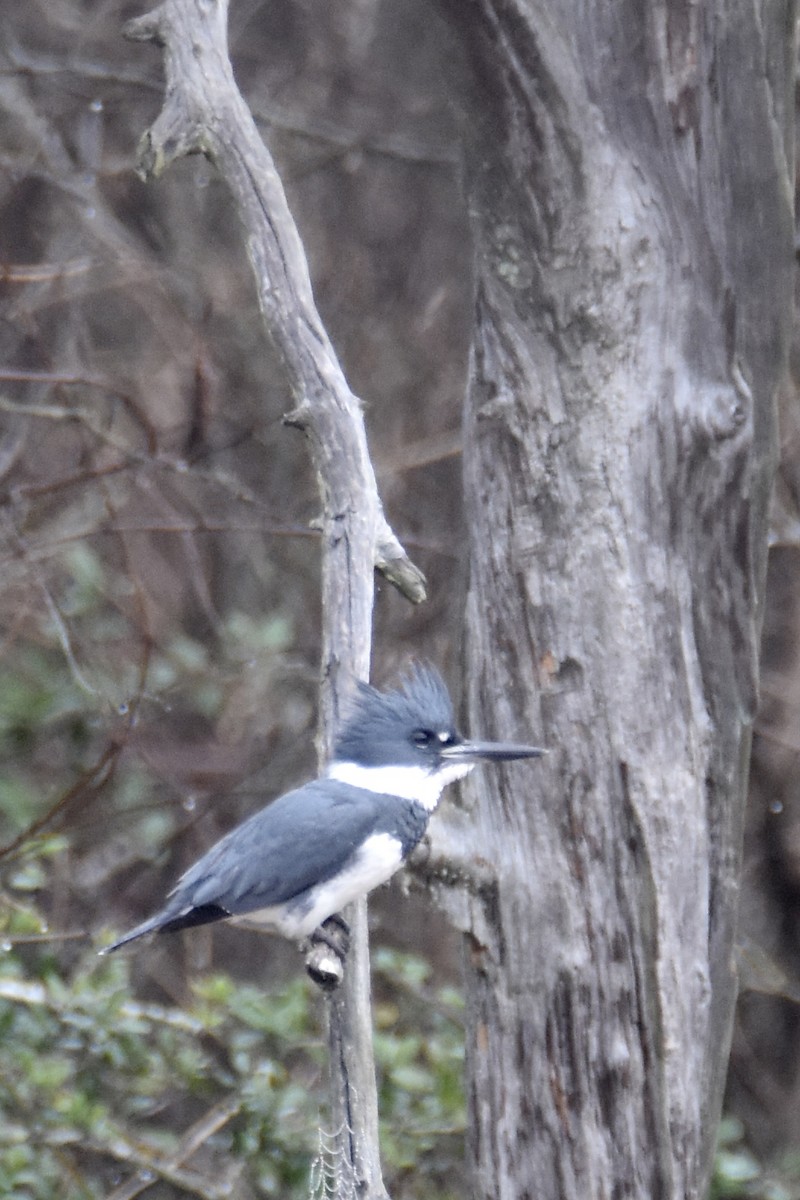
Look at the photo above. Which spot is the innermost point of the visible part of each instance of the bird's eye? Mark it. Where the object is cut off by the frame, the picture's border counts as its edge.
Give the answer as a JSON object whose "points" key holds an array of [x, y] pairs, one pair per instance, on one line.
{"points": [[446, 738], [422, 737]]}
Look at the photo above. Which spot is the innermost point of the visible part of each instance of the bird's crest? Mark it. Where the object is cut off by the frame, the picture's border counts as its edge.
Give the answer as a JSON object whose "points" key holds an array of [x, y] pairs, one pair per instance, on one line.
{"points": [[421, 699]]}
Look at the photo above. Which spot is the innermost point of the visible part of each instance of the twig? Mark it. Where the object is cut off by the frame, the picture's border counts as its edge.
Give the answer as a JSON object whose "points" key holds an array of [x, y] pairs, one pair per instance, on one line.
{"points": [[43, 272], [341, 140], [94, 778], [60, 412], [90, 782], [62, 633], [209, 1124], [153, 1168]]}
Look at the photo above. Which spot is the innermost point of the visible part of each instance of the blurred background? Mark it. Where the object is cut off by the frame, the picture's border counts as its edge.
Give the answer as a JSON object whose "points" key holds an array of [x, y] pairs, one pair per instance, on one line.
{"points": [[159, 610]]}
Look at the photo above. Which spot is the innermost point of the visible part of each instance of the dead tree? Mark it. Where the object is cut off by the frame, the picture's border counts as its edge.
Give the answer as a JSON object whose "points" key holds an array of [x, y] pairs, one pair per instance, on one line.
{"points": [[205, 113], [630, 175]]}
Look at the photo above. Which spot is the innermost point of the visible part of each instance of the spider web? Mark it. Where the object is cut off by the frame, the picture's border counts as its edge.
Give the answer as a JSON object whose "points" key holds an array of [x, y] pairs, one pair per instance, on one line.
{"points": [[332, 1176]]}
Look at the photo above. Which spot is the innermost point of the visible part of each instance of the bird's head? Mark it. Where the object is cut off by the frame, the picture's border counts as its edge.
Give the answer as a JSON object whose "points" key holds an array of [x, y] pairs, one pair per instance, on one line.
{"points": [[412, 732]]}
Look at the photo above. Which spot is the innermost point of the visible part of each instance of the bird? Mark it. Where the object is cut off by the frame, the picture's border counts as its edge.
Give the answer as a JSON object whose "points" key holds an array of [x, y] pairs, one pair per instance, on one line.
{"points": [[297, 862]]}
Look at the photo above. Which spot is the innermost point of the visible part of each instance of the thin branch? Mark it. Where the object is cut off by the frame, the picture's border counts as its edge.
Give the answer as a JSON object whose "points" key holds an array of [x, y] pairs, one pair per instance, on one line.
{"points": [[59, 624], [153, 1168], [94, 778], [199, 1133], [43, 272], [397, 145], [58, 412]]}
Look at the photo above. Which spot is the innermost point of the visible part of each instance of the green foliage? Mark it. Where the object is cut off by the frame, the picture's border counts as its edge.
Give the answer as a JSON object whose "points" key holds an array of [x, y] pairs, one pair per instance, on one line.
{"points": [[419, 1053], [738, 1173], [223, 1093], [735, 1168], [98, 1087], [86, 1068]]}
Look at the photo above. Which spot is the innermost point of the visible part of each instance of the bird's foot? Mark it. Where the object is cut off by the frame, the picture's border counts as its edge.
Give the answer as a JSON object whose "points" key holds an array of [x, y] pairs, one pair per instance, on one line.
{"points": [[327, 949]]}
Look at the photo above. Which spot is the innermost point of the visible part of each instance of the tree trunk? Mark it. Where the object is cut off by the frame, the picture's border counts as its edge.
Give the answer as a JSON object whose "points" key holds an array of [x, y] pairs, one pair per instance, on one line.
{"points": [[630, 179]]}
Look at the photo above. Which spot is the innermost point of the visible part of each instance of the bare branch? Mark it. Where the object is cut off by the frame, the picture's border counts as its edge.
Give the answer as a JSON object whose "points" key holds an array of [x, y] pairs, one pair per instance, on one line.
{"points": [[204, 113], [199, 1133]]}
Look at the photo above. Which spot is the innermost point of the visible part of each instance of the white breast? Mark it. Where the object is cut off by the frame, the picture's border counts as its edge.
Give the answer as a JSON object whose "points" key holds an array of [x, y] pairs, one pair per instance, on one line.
{"points": [[376, 861]]}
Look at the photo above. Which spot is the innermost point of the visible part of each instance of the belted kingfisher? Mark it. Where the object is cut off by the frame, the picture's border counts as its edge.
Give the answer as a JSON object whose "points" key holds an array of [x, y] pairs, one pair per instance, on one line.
{"points": [[312, 851]]}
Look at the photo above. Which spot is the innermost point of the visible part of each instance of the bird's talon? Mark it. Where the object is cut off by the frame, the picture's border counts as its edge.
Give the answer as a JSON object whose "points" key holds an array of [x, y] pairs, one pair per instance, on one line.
{"points": [[327, 949], [334, 932]]}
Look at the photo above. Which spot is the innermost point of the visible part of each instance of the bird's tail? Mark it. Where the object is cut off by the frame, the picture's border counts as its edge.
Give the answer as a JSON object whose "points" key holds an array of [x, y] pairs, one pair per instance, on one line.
{"points": [[154, 923], [170, 920]]}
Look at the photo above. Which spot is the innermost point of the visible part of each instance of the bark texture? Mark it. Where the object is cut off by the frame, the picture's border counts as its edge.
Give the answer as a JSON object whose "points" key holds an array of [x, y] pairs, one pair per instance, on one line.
{"points": [[630, 175]]}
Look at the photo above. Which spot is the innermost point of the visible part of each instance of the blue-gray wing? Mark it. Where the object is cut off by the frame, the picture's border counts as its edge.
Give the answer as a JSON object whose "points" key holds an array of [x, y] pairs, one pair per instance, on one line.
{"points": [[303, 838]]}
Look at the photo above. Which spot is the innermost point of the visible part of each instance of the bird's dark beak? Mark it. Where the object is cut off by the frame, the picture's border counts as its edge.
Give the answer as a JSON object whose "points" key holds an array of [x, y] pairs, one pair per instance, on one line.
{"points": [[475, 752]]}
